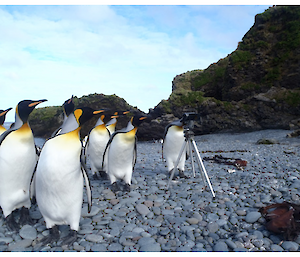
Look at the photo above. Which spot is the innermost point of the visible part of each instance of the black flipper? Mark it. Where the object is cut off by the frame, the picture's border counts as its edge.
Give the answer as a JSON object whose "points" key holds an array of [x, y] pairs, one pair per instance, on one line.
{"points": [[88, 189]]}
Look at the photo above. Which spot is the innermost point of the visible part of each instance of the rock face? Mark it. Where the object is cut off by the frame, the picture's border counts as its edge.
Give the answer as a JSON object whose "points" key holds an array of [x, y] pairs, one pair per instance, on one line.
{"points": [[255, 87], [44, 121]]}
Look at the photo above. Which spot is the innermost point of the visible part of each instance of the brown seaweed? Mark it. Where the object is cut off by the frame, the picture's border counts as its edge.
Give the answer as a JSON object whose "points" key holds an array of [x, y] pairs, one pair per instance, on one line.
{"points": [[282, 218]]}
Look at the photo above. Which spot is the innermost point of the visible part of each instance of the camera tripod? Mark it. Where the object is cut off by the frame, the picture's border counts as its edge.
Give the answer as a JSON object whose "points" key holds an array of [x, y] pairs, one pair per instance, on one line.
{"points": [[190, 142]]}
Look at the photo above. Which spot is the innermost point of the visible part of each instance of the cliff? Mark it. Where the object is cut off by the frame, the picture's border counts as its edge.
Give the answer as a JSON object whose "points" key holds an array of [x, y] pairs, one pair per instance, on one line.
{"points": [[254, 87]]}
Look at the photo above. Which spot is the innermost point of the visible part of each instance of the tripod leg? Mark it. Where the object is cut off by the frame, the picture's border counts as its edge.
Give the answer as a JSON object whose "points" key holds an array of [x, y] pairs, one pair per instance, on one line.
{"points": [[200, 167], [192, 158], [177, 161], [203, 168]]}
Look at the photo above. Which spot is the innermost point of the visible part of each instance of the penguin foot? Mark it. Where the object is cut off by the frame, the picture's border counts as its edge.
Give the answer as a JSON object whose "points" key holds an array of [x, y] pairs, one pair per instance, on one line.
{"points": [[182, 175], [95, 176], [33, 200], [170, 172], [25, 217], [71, 238], [114, 187], [11, 224], [52, 237], [103, 174], [126, 188]]}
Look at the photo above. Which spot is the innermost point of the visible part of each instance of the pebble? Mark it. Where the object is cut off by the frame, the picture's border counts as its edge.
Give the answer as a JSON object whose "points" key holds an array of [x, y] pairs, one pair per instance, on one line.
{"points": [[220, 247], [290, 246], [142, 209], [19, 245], [28, 232], [185, 217], [252, 217], [94, 238]]}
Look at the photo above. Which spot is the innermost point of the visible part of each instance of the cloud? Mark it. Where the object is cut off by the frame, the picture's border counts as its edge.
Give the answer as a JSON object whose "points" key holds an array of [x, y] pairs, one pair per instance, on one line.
{"points": [[133, 51]]}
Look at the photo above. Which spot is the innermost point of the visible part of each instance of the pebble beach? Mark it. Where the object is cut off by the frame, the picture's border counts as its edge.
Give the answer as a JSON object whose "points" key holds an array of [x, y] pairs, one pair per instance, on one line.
{"points": [[184, 216]]}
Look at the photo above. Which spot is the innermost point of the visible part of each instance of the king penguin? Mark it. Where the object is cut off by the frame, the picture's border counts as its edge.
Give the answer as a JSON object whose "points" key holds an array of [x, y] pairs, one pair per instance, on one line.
{"points": [[172, 143], [121, 153], [95, 146], [59, 178], [17, 161], [2, 119], [68, 108]]}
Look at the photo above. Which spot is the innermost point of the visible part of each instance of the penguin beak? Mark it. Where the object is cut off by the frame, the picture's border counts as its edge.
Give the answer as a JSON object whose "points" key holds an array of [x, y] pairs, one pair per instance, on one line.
{"points": [[126, 112], [4, 112], [70, 100], [34, 103], [142, 118], [97, 112]]}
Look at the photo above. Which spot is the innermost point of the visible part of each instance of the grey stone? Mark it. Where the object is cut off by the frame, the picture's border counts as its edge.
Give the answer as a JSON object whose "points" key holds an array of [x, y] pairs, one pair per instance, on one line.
{"points": [[290, 246], [146, 241], [94, 238], [98, 248], [150, 248], [192, 221], [20, 244], [230, 243], [213, 227], [142, 209], [85, 213], [220, 247], [252, 217], [28, 232], [276, 248], [115, 247], [6, 240]]}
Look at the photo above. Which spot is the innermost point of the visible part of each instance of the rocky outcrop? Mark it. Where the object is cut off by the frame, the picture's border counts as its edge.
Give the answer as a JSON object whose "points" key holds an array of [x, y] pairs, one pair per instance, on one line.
{"points": [[255, 87], [44, 121]]}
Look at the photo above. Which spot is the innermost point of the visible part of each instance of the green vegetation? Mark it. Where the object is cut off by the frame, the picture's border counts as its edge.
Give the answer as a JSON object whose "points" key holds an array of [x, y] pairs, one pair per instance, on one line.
{"points": [[45, 113], [166, 106], [250, 86], [291, 97], [240, 57], [212, 75], [272, 75], [192, 98]]}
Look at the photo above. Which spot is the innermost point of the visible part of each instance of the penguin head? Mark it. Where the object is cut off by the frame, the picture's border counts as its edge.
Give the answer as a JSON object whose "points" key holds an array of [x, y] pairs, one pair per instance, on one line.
{"points": [[68, 106], [3, 114], [84, 114], [137, 119], [25, 107]]}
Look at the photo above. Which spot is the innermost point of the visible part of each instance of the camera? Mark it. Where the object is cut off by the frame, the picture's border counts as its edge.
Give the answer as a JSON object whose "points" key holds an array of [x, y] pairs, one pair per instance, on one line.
{"points": [[189, 116]]}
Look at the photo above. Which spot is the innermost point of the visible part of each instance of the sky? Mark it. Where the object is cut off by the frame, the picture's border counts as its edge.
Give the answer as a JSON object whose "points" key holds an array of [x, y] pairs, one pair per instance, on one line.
{"points": [[134, 51]]}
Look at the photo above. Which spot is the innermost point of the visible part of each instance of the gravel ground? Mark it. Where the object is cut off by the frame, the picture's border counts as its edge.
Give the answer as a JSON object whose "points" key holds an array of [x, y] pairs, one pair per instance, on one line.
{"points": [[185, 217]]}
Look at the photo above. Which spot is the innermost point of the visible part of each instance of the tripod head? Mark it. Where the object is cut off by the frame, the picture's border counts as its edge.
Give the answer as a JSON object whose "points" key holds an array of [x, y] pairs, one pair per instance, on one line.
{"points": [[188, 120]]}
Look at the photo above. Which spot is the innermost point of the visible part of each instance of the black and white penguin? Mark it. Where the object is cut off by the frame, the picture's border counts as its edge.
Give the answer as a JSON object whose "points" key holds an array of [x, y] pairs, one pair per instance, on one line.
{"points": [[172, 143], [17, 161], [97, 140], [2, 119], [68, 108], [95, 146], [121, 153], [111, 125], [59, 178]]}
